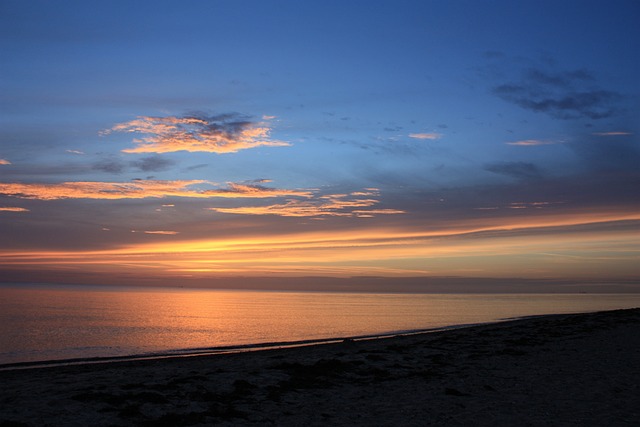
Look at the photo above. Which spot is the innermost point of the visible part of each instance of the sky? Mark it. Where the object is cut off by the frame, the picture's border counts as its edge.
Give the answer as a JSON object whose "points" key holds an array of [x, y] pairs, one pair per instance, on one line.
{"points": [[236, 142]]}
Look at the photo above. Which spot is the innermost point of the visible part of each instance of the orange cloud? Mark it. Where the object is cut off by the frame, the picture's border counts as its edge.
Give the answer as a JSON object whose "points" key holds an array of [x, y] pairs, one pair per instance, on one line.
{"points": [[555, 245], [13, 209], [218, 134], [163, 232], [425, 135], [238, 190], [483, 242], [292, 208], [141, 189], [531, 142], [612, 133], [329, 205], [4, 162], [373, 212]]}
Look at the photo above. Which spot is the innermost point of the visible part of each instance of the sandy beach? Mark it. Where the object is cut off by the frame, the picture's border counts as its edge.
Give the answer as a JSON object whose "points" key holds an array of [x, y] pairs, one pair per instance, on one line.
{"points": [[558, 370]]}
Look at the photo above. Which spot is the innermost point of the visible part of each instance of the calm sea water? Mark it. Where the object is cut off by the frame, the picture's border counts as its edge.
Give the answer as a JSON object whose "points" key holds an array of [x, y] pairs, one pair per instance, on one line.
{"points": [[60, 322]]}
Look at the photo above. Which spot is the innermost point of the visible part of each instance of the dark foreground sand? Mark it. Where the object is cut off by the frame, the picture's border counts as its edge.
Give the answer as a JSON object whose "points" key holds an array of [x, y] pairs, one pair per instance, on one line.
{"points": [[581, 370]]}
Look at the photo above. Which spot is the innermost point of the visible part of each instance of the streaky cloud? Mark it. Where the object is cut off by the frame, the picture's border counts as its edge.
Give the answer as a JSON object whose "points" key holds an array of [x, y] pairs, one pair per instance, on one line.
{"points": [[4, 162], [293, 251], [333, 205], [12, 209], [431, 136], [612, 133], [532, 142], [225, 133], [292, 208], [373, 212], [521, 205], [162, 232], [141, 189], [529, 205], [245, 190]]}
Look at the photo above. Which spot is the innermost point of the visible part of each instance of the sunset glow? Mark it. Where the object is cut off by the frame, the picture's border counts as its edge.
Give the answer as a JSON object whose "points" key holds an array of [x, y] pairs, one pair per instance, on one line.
{"points": [[332, 141]]}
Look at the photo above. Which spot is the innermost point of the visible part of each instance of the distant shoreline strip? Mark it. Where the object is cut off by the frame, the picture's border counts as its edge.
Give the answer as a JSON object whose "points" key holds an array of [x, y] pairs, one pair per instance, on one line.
{"points": [[243, 348], [230, 349]]}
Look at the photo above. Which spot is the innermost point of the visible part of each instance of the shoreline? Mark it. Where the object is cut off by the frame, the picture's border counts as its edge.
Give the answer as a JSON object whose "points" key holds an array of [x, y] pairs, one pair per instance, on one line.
{"points": [[235, 349], [250, 347], [560, 369], [37, 328]]}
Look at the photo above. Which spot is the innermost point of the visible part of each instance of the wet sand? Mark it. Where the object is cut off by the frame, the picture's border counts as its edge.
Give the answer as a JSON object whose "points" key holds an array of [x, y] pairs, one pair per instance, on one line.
{"points": [[581, 370]]}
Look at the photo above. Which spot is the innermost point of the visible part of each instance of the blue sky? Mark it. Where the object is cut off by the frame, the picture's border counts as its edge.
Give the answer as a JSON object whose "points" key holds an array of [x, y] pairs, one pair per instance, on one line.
{"points": [[384, 123]]}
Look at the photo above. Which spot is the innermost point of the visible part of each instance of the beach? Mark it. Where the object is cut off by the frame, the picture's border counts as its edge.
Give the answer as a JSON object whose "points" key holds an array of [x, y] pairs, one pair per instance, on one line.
{"points": [[555, 370]]}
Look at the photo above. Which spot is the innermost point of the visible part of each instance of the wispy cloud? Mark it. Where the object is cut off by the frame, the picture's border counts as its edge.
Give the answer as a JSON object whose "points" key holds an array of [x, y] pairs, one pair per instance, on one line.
{"points": [[140, 189], [12, 209], [530, 205], [374, 212], [243, 190], [4, 162], [363, 250], [521, 205], [162, 232], [532, 142], [293, 208], [344, 205], [227, 133], [425, 135], [75, 152], [612, 133]]}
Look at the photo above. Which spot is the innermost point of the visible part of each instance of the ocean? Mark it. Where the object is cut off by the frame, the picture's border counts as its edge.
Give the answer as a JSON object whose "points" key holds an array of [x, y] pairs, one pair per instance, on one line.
{"points": [[54, 323]]}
